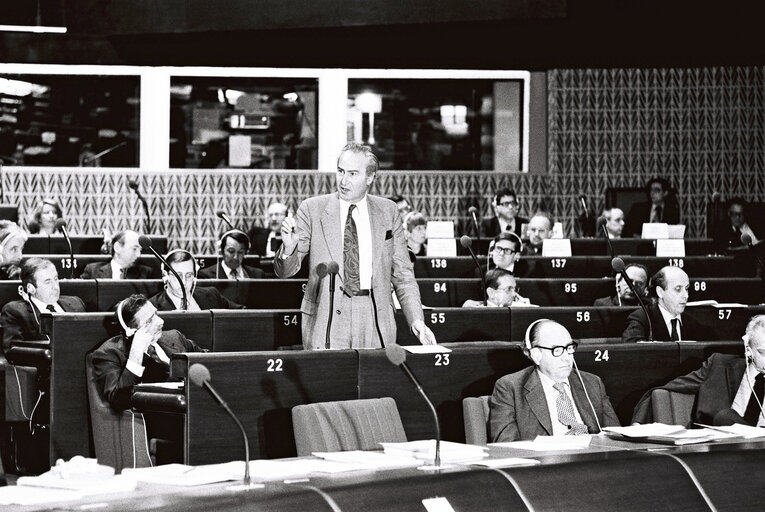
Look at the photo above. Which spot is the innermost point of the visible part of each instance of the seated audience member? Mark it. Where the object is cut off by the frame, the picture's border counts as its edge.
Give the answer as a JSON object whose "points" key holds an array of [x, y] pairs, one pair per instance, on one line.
{"points": [[198, 297], [546, 399], [140, 354], [638, 274], [39, 282], [506, 208], [501, 291], [416, 232], [540, 229], [45, 217], [727, 233], [12, 240], [124, 263], [265, 241], [233, 246], [728, 388], [614, 223], [402, 204], [505, 251], [669, 286], [662, 207]]}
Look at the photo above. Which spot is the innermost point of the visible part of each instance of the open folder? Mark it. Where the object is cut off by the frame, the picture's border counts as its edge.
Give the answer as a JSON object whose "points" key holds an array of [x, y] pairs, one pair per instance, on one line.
{"points": [[660, 433]]}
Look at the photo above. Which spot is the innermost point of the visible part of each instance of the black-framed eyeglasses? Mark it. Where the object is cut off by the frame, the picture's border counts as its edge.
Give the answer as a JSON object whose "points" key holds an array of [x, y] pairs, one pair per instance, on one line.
{"points": [[508, 204], [506, 251], [558, 351]]}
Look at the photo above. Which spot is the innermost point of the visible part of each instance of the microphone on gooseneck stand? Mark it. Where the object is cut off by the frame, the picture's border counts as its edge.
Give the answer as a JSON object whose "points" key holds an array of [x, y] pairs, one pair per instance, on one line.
{"points": [[225, 218], [473, 212], [608, 241], [332, 269], [199, 375], [134, 185], [587, 395], [618, 265], [586, 223], [61, 226], [467, 244], [397, 356], [145, 242], [321, 271]]}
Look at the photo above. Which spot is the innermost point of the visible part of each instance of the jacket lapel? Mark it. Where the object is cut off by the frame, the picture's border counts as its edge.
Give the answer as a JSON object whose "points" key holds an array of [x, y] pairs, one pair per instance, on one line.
{"points": [[535, 397], [104, 271], [378, 235], [734, 373], [581, 403], [330, 226]]}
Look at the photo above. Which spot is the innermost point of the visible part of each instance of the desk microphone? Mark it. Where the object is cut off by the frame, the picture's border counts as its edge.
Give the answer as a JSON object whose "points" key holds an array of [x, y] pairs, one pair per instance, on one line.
{"points": [[134, 185], [473, 212], [225, 218], [608, 241], [397, 356], [199, 375], [467, 243], [321, 271], [587, 395], [145, 242], [61, 226], [618, 265], [332, 268]]}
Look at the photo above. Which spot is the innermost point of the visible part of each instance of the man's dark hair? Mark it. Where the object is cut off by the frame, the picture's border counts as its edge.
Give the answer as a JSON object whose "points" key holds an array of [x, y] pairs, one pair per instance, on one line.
{"points": [[505, 191], [510, 237], [179, 256], [736, 200], [640, 266], [30, 267], [130, 308], [493, 276], [665, 185], [236, 235], [119, 237], [397, 198]]}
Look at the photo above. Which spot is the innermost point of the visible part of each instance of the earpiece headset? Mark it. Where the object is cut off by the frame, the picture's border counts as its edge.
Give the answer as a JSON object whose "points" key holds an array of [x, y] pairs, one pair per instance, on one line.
{"points": [[129, 331], [527, 338], [489, 260], [231, 232], [166, 274]]}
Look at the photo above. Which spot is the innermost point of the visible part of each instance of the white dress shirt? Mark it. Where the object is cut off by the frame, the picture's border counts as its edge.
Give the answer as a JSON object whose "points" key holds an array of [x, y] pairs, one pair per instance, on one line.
{"points": [[745, 390], [116, 270], [240, 274], [44, 307], [506, 226], [551, 394], [193, 306], [364, 232], [667, 317], [137, 369]]}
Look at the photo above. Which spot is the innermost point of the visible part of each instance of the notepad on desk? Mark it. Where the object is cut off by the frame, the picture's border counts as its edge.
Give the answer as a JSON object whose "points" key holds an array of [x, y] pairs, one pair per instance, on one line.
{"points": [[549, 443], [425, 450], [715, 304], [660, 433]]}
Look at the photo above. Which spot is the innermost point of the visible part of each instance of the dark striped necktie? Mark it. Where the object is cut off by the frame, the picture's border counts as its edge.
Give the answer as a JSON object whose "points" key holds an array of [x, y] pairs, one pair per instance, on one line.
{"points": [[351, 254]]}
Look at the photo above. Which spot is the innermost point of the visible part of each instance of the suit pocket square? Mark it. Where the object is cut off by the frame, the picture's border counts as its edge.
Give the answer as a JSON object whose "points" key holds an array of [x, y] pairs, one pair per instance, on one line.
{"points": [[388, 234]]}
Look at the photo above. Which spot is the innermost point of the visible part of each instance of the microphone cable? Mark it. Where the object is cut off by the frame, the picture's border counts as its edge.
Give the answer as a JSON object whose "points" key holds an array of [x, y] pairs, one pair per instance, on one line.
{"points": [[586, 394]]}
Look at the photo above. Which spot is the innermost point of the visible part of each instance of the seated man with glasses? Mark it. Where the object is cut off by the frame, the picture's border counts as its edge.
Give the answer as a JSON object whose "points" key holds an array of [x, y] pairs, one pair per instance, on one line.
{"points": [[540, 228], [504, 253], [546, 399], [199, 298], [506, 219], [501, 292]]}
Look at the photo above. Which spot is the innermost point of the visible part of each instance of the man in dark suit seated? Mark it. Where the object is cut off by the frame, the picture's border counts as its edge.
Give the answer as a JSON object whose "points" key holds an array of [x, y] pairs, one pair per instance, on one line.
{"points": [[670, 287], [662, 207], [199, 298], [638, 274], [234, 245], [266, 241], [125, 253], [40, 288], [546, 399], [729, 389], [727, 233], [540, 228], [501, 292], [506, 208]]}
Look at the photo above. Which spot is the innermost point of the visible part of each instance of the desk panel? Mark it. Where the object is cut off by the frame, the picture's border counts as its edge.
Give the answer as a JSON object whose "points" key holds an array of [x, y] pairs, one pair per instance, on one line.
{"points": [[583, 322], [251, 330], [63, 265], [447, 378], [723, 323], [635, 247], [272, 293], [111, 292], [459, 324], [459, 266], [600, 266], [261, 388], [82, 288]]}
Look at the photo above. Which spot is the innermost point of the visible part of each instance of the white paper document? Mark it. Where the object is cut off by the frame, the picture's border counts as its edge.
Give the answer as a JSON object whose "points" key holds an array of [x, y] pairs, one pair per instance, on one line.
{"points": [[425, 450], [183, 475], [549, 443], [505, 462], [745, 431], [426, 349], [649, 429], [369, 460]]}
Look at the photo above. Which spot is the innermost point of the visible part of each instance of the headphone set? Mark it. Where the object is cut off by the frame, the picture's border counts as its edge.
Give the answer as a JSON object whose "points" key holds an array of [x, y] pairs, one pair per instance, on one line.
{"points": [[231, 232], [167, 274], [129, 331], [518, 240], [527, 337]]}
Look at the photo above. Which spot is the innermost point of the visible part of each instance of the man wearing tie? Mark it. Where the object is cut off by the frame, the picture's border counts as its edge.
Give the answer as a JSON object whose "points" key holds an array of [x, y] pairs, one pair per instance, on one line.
{"points": [[727, 233], [662, 207], [545, 399], [39, 284], [670, 287], [729, 389], [125, 253], [506, 218], [364, 234], [234, 245]]}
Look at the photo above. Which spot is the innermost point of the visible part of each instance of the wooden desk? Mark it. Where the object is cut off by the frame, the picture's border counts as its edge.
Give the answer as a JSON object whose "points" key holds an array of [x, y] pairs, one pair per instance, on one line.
{"points": [[81, 244]]}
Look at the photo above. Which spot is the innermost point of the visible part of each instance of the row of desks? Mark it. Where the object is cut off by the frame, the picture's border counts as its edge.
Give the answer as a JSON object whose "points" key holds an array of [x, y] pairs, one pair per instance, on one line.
{"points": [[463, 266], [277, 380], [103, 295], [81, 244]]}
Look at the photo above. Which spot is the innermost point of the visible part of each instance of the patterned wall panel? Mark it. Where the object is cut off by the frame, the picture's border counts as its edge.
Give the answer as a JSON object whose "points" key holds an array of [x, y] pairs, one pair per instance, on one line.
{"points": [[704, 129]]}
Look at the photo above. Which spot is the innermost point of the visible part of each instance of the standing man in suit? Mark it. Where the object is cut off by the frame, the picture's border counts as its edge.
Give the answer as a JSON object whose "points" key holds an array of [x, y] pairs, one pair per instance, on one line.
{"points": [[506, 208], [123, 265], [265, 241], [670, 288], [364, 234], [729, 389], [199, 297], [545, 399], [638, 274], [661, 207], [233, 246], [39, 282]]}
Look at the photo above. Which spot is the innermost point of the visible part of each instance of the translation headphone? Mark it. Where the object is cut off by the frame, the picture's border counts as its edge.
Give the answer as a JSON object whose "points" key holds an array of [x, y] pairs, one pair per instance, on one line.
{"points": [[493, 243], [231, 232], [166, 274], [129, 331], [527, 338]]}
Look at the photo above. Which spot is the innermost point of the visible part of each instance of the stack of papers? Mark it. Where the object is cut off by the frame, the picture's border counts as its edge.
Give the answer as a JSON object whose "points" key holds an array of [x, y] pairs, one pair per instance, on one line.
{"points": [[666, 434], [426, 449], [737, 429], [183, 475], [549, 443], [369, 460]]}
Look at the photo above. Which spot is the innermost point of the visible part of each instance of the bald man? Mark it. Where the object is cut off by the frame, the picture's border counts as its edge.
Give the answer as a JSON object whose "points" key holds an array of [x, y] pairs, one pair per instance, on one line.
{"points": [[670, 288]]}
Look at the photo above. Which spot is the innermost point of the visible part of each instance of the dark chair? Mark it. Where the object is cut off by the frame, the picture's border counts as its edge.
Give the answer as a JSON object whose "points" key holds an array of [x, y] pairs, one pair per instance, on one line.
{"points": [[475, 413], [672, 408]]}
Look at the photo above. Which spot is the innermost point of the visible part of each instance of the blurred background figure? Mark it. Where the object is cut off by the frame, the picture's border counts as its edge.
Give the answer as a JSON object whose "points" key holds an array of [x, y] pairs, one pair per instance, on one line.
{"points": [[638, 274], [506, 208], [266, 241], [44, 219], [402, 204], [613, 220], [416, 233], [661, 207], [12, 240], [727, 232], [540, 228]]}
